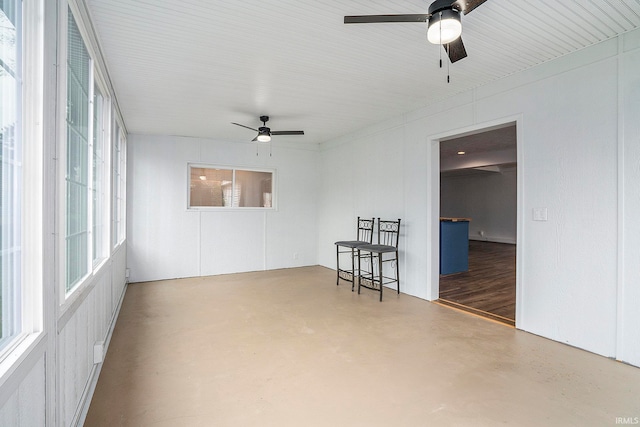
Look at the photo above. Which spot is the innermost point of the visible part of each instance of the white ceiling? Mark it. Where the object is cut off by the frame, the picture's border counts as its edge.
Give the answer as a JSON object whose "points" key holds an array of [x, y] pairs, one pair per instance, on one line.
{"points": [[500, 139], [483, 152], [192, 67]]}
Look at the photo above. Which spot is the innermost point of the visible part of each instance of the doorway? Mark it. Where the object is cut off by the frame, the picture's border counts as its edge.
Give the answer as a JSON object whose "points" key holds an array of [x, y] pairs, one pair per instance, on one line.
{"points": [[478, 181]]}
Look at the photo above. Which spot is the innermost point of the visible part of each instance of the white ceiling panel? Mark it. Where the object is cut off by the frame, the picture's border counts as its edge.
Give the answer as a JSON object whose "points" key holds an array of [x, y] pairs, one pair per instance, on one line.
{"points": [[192, 67]]}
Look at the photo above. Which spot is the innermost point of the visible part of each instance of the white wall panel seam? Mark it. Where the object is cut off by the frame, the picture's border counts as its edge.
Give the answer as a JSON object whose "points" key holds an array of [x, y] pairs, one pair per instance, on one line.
{"points": [[620, 285]]}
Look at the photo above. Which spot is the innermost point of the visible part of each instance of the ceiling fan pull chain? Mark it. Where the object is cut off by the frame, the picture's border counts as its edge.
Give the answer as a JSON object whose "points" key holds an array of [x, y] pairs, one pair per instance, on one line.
{"points": [[440, 28], [448, 62]]}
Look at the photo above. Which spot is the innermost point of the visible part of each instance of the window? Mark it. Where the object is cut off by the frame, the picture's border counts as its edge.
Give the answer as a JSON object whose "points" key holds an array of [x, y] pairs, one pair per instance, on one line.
{"points": [[86, 158], [230, 187], [119, 185], [100, 174], [10, 170], [77, 170]]}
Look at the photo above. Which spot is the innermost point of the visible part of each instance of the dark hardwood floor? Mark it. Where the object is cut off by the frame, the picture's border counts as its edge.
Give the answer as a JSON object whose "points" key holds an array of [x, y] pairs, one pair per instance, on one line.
{"points": [[489, 287]]}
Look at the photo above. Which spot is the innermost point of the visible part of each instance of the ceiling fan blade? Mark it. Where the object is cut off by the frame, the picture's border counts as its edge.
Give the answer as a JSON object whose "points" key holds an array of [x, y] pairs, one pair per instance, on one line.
{"points": [[469, 5], [370, 19], [255, 139], [238, 124], [455, 50], [287, 132]]}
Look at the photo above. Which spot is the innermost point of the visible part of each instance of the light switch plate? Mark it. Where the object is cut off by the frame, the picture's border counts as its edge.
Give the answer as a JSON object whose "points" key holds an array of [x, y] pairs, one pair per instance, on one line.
{"points": [[539, 214]]}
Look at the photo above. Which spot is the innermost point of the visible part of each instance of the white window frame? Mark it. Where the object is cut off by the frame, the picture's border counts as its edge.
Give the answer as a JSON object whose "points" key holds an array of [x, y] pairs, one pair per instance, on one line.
{"points": [[68, 296], [11, 310], [274, 191], [15, 351], [62, 153], [119, 185], [105, 192]]}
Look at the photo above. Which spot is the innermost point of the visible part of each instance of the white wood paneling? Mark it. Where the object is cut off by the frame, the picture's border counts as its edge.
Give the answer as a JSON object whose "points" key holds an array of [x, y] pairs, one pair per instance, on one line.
{"points": [[190, 68], [568, 109], [291, 231], [162, 234], [629, 287], [166, 240], [91, 322], [118, 280], [231, 242], [26, 407]]}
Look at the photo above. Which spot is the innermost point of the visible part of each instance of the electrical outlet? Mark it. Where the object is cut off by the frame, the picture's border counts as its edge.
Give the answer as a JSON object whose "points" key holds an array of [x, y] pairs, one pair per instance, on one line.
{"points": [[295, 255], [98, 352]]}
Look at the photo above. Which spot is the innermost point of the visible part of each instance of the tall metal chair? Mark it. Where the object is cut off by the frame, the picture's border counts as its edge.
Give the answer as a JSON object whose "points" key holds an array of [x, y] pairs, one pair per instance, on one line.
{"points": [[364, 237], [388, 236]]}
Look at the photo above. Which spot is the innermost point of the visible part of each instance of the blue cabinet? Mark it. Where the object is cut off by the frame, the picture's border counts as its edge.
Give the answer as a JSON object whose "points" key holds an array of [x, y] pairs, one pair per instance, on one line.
{"points": [[454, 245]]}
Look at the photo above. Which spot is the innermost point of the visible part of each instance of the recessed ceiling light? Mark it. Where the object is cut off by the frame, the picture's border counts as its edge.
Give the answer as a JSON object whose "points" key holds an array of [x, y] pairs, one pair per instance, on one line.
{"points": [[461, 153]]}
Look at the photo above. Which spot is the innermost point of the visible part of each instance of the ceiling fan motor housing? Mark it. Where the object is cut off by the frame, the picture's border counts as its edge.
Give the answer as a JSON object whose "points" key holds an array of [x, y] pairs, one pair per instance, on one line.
{"points": [[264, 133], [440, 5]]}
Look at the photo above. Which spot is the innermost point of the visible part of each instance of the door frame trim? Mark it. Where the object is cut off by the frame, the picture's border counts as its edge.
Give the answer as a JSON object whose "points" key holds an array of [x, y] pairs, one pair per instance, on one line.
{"points": [[433, 206]]}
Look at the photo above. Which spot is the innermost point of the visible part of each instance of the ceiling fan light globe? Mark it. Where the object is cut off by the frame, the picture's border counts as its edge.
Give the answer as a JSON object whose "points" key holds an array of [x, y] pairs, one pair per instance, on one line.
{"points": [[444, 27], [264, 133]]}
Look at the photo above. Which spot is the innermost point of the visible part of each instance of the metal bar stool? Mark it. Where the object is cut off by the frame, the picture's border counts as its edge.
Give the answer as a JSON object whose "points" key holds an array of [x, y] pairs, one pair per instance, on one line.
{"points": [[364, 237], [388, 236]]}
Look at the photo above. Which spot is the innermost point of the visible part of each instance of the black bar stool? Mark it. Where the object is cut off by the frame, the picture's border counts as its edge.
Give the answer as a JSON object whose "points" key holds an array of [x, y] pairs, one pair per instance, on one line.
{"points": [[388, 236], [364, 237]]}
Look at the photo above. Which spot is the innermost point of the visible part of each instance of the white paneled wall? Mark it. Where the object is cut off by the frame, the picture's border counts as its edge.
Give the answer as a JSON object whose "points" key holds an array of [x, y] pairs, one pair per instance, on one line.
{"points": [[118, 283], [166, 240], [569, 161], [89, 320], [629, 156], [89, 324], [26, 406]]}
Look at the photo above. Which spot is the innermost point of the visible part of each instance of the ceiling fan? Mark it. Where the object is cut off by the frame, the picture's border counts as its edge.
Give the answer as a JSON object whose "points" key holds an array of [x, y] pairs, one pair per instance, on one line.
{"points": [[444, 23], [265, 133]]}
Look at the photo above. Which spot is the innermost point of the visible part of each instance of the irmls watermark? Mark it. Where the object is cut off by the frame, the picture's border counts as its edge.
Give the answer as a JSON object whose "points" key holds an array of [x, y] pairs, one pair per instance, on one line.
{"points": [[628, 420]]}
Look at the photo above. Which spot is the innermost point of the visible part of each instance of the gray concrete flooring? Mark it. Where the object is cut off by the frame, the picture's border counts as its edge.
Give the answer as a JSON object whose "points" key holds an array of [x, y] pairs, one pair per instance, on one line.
{"points": [[290, 348]]}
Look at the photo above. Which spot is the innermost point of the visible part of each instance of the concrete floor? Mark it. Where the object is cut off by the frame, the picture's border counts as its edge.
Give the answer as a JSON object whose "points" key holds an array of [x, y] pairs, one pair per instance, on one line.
{"points": [[289, 348]]}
